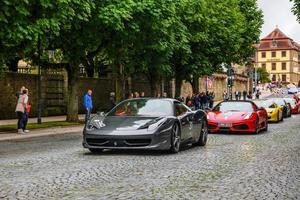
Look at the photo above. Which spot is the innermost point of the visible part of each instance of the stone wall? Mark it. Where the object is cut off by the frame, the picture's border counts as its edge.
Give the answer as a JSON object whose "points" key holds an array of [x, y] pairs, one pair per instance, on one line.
{"points": [[219, 85], [54, 89]]}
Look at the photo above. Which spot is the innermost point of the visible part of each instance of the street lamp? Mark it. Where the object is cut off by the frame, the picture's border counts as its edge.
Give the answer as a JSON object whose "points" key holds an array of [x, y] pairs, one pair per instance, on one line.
{"points": [[39, 113]]}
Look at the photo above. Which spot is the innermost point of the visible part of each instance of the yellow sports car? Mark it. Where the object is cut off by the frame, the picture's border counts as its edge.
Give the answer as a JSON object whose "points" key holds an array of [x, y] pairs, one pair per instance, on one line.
{"points": [[275, 111]]}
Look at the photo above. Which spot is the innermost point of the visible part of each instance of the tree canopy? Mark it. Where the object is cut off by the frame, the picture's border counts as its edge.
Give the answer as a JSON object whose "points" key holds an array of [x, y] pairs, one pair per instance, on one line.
{"points": [[162, 39], [296, 8]]}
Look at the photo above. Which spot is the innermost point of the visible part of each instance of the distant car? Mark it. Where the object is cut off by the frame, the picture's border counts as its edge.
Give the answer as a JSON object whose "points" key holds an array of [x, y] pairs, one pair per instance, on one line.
{"points": [[295, 106], [237, 116], [146, 123], [275, 111], [285, 106]]}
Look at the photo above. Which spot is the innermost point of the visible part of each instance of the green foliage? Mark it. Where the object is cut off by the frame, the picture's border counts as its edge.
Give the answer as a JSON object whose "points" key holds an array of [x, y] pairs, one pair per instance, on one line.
{"points": [[296, 8], [264, 75]]}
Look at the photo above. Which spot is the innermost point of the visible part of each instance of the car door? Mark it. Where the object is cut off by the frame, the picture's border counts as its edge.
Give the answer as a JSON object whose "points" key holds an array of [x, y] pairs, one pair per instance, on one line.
{"points": [[261, 113], [185, 117]]}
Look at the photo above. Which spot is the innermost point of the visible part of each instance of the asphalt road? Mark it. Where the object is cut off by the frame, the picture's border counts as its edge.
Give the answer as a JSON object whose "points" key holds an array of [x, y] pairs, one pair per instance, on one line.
{"points": [[264, 166]]}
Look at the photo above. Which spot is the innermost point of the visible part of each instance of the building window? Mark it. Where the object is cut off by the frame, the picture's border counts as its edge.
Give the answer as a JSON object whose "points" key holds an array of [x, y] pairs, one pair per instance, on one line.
{"points": [[273, 77], [273, 66], [273, 54], [283, 54], [263, 54], [263, 65], [283, 66], [283, 77]]}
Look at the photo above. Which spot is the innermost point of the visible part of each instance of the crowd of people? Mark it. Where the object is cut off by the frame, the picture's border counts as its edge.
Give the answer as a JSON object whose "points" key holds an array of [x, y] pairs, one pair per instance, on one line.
{"points": [[201, 100], [22, 109]]}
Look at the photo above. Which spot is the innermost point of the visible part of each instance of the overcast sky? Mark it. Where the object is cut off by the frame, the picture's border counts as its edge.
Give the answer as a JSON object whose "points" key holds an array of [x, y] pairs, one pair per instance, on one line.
{"points": [[278, 12]]}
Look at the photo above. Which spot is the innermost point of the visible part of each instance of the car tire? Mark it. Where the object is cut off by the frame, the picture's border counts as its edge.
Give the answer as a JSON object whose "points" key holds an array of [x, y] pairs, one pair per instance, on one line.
{"points": [[175, 139], [203, 134], [256, 127], [92, 150], [266, 126]]}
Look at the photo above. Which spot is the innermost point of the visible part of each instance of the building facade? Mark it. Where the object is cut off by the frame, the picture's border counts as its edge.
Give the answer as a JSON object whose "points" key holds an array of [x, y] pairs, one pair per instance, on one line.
{"points": [[280, 56]]}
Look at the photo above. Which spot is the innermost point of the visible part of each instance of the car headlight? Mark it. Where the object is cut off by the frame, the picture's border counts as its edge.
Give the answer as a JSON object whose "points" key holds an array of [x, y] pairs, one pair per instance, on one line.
{"points": [[95, 123], [248, 116]]}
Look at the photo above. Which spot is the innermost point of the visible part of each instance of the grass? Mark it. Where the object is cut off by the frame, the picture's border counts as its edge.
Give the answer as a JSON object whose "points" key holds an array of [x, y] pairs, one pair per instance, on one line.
{"points": [[30, 126]]}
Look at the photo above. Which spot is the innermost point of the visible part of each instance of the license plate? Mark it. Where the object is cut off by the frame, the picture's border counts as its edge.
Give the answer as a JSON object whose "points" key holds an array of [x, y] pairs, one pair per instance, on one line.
{"points": [[225, 125]]}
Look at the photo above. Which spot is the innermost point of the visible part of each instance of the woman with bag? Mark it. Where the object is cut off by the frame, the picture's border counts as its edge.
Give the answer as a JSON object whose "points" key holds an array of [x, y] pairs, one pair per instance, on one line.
{"points": [[26, 113], [20, 110]]}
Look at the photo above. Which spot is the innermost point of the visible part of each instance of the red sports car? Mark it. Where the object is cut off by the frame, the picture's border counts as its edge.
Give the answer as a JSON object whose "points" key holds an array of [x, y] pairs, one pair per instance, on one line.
{"points": [[295, 106], [237, 116]]}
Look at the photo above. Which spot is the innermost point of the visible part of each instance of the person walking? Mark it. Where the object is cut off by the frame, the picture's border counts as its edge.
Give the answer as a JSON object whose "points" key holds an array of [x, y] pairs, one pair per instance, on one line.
{"points": [[26, 113], [212, 98], [20, 92], [112, 100], [236, 93], [20, 110], [244, 94], [88, 104], [142, 94]]}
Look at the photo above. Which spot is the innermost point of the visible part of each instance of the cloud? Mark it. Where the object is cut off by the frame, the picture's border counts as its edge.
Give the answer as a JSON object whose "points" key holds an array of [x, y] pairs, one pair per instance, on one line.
{"points": [[278, 12]]}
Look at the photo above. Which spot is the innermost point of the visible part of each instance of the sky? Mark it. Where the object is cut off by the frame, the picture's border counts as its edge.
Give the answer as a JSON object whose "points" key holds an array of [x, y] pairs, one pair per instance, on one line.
{"points": [[278, 12]]}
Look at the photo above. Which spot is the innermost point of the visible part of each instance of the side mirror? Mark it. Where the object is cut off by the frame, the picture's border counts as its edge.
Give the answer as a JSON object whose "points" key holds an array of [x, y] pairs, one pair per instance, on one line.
{"points": [[102, 114]]}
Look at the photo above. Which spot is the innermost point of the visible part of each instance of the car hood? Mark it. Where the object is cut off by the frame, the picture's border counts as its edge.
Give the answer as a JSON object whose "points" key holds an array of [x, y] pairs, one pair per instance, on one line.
{"points": [[230, 115], [127, 123]]}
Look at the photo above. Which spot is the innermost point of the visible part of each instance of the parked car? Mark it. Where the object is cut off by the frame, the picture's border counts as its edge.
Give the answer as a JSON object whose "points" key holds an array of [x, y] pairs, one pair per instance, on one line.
{"points": [[237, 116], [146, 123], [275, 111], [295, 106], [285, 106]]}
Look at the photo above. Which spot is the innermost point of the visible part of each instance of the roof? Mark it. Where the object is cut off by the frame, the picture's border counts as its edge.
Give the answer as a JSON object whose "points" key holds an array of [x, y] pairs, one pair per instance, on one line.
{"points": [[277, 40], [276, 34]]}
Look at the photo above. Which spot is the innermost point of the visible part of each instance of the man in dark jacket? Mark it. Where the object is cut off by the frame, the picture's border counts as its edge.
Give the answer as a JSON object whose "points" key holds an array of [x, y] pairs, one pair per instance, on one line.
{"points": [[88, 104]]}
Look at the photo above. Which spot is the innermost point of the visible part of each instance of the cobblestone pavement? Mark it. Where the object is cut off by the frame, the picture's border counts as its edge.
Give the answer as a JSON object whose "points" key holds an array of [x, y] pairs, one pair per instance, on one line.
{"points": [[264, 166]]}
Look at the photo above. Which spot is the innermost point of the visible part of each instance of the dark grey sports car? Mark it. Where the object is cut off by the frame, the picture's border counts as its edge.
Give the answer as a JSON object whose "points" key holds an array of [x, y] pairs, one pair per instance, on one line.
{"points": [[146, 123]]}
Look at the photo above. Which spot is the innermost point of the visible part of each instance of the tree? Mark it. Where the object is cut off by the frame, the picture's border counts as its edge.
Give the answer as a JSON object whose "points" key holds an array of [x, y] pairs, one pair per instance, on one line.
{"points": [[264, 75], [296, 8]]}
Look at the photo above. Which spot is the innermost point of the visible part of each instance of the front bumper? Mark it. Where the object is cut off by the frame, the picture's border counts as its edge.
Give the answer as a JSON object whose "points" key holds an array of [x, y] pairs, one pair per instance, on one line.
{"points": [[273, 116], [127, 140], [245, 126]]}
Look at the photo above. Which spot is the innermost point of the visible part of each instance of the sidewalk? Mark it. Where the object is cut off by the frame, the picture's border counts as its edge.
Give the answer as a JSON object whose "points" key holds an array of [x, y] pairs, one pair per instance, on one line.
{"points": [[12, 136], [34, 119], [41, 133]]}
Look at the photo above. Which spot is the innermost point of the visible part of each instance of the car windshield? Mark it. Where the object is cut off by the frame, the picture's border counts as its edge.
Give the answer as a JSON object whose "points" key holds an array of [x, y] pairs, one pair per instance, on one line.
{"points": [[265, 104], [143, 107], [279, 102], [291, 101], [234, 106]]}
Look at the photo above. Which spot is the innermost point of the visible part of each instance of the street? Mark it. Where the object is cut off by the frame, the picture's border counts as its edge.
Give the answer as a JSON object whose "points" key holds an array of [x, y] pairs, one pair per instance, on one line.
{"points": [[264, 166]]}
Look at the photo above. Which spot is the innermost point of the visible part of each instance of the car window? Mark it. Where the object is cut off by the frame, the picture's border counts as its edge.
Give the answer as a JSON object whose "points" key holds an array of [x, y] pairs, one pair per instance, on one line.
{"points": [[234, 106], [143, 107], [180, 109]]}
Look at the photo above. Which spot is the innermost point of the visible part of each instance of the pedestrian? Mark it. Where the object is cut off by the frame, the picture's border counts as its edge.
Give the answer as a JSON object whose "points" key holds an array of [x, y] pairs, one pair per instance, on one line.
{"points": [[225, 96], [136, 95], [188, 99], [88, 104], [20, 92], [130, 95], [20, 110], [250, 95], [142, 94], [112, 100], [26, 113], [158, 95], [239, 95], [257, 94], [196, 101], [244, 94], [236, 94], [212, 98]]}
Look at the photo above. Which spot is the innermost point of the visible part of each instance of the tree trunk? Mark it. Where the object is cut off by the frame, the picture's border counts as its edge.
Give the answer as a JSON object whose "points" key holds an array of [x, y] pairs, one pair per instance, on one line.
{"points": [[72, 104], [195, 85], [13, 64], [178, 83]]}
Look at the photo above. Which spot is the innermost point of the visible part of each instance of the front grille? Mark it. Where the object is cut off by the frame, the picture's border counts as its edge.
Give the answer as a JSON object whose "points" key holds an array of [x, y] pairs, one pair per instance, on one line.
{"points": [[118, 142], [224, 129], [241, 127], [211, 126], [138, 142]]}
